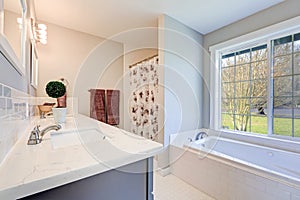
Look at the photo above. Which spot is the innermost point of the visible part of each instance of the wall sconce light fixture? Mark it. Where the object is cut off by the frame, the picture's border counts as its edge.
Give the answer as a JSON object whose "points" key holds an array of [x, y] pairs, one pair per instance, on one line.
{"points": [[39, 31]]}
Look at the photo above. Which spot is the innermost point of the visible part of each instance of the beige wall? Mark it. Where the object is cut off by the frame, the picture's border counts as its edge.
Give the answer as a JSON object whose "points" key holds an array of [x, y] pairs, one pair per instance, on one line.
{"points": [[112, 76], [63, 55], [102, 68], [86, 61]]}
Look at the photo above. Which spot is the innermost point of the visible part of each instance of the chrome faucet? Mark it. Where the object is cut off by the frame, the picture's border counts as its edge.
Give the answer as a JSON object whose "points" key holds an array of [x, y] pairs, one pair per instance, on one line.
{"points": [[201, 135], [36, 135]]}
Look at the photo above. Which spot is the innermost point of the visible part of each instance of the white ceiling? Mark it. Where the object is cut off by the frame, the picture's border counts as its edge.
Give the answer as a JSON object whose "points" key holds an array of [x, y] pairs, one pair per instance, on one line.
{"points": [[105, 18]]}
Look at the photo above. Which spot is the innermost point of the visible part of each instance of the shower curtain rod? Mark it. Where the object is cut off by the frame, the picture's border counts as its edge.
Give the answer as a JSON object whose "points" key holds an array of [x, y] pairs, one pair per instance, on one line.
{"points": [[146, 59]]}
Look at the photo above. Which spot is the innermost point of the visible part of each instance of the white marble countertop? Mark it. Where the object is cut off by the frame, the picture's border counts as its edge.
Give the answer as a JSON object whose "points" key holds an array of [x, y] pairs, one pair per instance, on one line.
{"points": [[77, 151]]}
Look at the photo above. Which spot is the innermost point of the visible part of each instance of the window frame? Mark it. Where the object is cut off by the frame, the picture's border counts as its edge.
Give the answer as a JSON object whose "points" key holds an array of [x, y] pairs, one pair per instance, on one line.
{"points": [[256, 38]]}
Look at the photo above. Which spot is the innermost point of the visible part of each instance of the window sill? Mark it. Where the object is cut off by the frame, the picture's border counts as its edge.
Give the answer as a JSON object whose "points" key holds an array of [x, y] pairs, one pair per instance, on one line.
{"points": [[274, 141]]}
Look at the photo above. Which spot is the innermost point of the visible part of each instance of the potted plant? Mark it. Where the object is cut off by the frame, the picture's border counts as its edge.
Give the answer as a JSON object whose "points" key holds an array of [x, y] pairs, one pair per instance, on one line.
{"points": [[57, 89]]}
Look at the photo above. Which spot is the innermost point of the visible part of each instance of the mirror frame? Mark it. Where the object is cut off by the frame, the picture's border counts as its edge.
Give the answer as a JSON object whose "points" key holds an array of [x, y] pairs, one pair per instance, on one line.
{"points": [[6, 49], [34, 65]]}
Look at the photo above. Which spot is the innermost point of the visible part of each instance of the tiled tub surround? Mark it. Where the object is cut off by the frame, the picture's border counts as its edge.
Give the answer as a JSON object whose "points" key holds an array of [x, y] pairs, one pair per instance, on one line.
{"points": [[29, 169], [225, 177], [14, 114]]}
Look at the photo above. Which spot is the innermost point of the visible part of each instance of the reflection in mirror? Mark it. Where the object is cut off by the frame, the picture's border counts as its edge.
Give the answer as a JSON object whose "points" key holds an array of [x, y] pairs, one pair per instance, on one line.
{"points": [[12, 31], [12, 35]]}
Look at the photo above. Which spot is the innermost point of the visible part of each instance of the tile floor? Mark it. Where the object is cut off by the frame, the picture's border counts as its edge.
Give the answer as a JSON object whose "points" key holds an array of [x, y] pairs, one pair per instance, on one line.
{"points": [[172, 188]]}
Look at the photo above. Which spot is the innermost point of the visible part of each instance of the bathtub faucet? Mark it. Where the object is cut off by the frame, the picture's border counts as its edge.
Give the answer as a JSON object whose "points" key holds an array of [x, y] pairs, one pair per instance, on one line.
{"points": [[201, 135]]}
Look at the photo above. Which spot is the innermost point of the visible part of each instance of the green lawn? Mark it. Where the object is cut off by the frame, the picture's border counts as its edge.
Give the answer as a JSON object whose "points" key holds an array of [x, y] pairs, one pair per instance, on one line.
{"points": [[282, 126]]}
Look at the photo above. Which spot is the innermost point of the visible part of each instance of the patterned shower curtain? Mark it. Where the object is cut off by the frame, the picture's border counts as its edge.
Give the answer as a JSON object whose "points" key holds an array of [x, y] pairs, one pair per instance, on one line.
{"points": [[144, 90]]}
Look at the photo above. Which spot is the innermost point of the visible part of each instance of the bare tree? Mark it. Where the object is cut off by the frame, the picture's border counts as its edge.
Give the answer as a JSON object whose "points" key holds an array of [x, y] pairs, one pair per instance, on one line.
{"points": [[244, 83], [244, 86]]}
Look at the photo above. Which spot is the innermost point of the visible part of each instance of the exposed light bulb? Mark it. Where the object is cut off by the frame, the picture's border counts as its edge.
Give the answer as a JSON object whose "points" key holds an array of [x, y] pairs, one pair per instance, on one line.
{"points": [[42, 37], [41, 32], [42, 27], [43, 41], [20, 20]]}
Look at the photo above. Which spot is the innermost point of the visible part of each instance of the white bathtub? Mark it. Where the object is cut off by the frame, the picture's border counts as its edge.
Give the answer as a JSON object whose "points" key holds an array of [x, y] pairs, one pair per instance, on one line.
{"points": [[229, 169], [279, 162]]}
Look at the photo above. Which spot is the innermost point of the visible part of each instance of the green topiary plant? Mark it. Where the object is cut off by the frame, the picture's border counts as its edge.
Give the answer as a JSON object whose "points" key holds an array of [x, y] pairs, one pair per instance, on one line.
{"points": [[56, 89]]}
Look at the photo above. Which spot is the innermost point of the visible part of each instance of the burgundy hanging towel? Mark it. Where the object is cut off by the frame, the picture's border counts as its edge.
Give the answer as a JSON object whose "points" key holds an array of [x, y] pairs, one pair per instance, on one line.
{"points": [[112, 106], [97, 104]]}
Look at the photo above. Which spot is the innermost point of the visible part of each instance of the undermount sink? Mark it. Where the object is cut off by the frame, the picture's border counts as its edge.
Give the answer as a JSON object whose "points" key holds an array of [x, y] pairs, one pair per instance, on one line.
{"points": [[77, 137]]}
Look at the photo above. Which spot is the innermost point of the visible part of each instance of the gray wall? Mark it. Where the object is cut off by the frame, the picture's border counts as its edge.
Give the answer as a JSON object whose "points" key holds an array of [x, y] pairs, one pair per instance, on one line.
{"points": [[182, 52], [281, 12]]}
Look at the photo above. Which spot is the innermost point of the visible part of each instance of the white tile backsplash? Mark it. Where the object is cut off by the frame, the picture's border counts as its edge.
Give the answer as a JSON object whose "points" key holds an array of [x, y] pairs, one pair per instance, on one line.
{"points": [[6, 91], [3, 107], [13, 117]]}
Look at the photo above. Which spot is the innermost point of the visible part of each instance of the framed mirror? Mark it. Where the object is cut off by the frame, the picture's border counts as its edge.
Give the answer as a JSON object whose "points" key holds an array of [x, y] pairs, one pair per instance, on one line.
{"points": [[12, 32]]}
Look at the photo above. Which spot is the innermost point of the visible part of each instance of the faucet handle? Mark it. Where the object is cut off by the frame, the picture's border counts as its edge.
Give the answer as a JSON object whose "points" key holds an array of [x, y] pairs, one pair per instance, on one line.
{"points": [[34, 137], [201, 135], [37, 128]]}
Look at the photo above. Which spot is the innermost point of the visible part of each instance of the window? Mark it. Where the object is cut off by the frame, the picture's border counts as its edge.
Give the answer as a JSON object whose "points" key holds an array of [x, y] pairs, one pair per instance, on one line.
{"points": [[258, 77], [286, 85], [244, 90]]}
